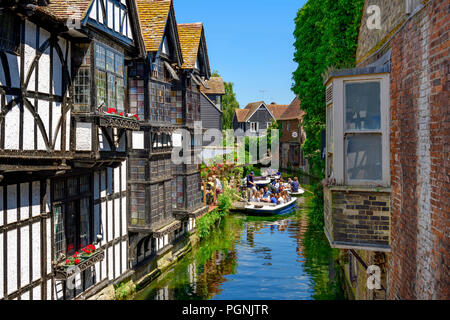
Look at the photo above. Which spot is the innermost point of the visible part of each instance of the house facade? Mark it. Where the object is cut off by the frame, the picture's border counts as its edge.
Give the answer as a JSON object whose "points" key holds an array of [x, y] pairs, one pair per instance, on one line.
{"points": [[91, 94], [211, 104], [292, 135], [255, 117], [386, 198]]}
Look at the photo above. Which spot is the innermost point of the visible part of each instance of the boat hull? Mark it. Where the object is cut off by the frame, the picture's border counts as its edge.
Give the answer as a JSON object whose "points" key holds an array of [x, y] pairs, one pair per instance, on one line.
{"points": [[287, 208]]}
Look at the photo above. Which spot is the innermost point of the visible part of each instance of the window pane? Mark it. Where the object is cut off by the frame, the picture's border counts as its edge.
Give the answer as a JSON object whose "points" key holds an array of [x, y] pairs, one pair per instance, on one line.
{"points": [[109, 61], [111, 92], [84, 223], [71, 228], [60, 238], [119, 64], [99, 56], [362, 108], [100, 78], [120, 95], [82, 90], [363, 160]]}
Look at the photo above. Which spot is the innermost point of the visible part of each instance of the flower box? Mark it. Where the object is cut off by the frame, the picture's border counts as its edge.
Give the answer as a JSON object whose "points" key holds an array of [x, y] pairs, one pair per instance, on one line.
{"points": [[63, 270]]}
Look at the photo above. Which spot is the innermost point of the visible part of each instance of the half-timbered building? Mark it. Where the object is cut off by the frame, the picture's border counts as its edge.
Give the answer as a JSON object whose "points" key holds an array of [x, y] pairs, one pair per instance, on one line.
{"points": [[62, 155], [196, 69], [156, 96]]}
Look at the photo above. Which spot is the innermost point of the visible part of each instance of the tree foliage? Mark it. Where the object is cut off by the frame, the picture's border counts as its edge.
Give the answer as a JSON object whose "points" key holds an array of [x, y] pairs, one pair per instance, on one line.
{"points": [[229, 104], [326, 37]]}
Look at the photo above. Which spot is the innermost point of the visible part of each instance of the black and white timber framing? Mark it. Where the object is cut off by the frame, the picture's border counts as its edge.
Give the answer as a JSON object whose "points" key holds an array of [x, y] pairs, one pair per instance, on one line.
{"points": [[70, 174]]}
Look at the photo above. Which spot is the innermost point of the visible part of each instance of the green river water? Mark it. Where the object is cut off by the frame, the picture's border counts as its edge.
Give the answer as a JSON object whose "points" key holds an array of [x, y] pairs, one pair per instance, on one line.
{"points": [[251, 258]]}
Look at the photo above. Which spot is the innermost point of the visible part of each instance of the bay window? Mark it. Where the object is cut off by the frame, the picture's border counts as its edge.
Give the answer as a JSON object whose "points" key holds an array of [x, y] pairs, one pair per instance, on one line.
{"points": [[109, 71], [358, 130], [72, 214]]}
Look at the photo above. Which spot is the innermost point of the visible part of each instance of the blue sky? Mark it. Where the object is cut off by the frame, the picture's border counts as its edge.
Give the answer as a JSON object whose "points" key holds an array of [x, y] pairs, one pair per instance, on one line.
{"points": [[250, 43]]}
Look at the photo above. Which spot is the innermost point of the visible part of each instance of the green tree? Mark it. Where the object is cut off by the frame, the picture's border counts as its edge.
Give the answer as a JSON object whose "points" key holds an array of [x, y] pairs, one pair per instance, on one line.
{"points": [[229, 104], [326, 35]]}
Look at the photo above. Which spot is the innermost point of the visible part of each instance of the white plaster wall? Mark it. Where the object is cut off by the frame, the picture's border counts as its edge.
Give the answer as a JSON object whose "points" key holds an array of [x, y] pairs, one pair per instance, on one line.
{"points": [[116, 218], [49, 290], [43, 111], [83, 136], [44, 74], [11, 263], [110, 263], [110, 221], [124, 256], [117, 19], [28, 137], [117, 271], [37, 293], [124, 175], [25, 296], [110, 14], [130, 34], [49, 245], [11, 212], [25, 256], [116, 180], [24, 201], [100, 15], [56, 114], [30, 45], [12, 129], [36, 250], [93, 13], [68, 127], [124, 216], [138, 140], [57, 74], [103, 266]]}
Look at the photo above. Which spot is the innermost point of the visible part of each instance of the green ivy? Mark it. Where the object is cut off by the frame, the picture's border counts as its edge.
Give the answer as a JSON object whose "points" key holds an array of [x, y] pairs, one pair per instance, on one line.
{"points": [[326, 36]]}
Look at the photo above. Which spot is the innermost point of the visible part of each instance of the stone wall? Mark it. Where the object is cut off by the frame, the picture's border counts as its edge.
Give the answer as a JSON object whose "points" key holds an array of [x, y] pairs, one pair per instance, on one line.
{"points": [[420, 166], [357, 218]]}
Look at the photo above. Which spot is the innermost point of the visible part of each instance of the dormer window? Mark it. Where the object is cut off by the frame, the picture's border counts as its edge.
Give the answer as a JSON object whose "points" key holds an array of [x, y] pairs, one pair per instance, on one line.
{"points": [[358, 130]]}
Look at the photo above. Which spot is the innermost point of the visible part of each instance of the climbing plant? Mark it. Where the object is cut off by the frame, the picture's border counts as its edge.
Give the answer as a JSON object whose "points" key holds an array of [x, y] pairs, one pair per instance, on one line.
{"points": [[326, 35]]}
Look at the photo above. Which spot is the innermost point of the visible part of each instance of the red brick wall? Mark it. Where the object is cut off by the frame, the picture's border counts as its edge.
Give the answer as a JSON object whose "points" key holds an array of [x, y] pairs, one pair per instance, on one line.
{"points": [[420, 165]]}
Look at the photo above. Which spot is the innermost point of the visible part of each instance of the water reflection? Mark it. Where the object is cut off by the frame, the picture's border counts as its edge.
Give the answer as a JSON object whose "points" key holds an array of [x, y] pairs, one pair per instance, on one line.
{"points": [[252, 258]]}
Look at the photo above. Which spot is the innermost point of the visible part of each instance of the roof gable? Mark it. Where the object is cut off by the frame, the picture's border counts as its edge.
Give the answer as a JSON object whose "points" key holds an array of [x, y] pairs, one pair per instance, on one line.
{"points": [[193, 46], [241, 115], [287, 112], [153, 16], [216, 86], [211, 102]]}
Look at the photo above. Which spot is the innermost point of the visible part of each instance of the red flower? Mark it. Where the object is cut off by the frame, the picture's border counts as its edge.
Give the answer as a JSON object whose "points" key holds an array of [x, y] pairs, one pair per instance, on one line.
{"points": [[77, 261], [121, 114], [77, 253], [74, 255], [136, 116], [67, 261], [111, 110]]}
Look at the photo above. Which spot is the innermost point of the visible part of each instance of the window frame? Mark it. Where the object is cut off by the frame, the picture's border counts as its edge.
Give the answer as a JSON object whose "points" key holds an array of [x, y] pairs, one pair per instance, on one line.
{"points": [[339, 153], [256, 127]]}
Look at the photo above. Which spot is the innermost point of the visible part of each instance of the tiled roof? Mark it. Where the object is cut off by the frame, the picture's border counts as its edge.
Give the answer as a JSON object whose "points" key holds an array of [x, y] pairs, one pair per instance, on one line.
{"points": [[287, 112], [153, 16], [62, 10], [215, 85], [241, 114], [190, 35], [277, 110]]}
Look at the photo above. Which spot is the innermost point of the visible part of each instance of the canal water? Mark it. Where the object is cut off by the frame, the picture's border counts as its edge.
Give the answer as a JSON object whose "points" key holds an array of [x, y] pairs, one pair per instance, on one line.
{"points": [[252, 258]]}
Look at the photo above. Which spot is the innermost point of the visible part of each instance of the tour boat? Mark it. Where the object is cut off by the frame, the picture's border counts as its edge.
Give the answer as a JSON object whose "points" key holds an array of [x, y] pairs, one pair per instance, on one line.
{"points": [[298, 193], [266, 209]]}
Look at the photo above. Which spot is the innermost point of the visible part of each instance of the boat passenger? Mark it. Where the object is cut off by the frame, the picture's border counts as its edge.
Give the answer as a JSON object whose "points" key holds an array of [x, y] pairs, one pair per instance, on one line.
{"points": [[274, 199], [295, 185], [251, 185]]}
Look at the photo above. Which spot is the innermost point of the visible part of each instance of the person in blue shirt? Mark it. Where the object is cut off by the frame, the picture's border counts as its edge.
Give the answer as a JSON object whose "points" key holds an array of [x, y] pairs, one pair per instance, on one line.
{"points": [[295, 185], [251, 186]]}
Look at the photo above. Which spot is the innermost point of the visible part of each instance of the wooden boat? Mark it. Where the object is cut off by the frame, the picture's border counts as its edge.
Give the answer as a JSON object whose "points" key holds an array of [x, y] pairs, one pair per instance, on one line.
{"points": [[265, 209], [259, 181]]}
